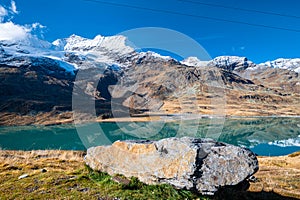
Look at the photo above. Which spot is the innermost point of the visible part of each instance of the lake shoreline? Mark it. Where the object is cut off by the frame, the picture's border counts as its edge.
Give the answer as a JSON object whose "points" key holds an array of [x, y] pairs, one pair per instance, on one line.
{"points": [[168, 117], [277, 176]]}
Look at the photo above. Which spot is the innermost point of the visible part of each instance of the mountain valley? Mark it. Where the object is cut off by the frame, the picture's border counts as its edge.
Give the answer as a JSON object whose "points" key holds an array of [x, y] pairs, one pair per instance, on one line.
{"points": [[38, 80]]}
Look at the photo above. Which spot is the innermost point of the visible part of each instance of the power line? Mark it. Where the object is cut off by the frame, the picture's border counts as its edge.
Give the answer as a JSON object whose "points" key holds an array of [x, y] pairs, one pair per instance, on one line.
{"points": [[192, 15], [241, 9]]}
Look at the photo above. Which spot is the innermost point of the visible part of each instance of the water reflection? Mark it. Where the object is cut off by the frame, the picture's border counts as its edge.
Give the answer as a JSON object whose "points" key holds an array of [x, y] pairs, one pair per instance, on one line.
{"points": [[265, 136]]}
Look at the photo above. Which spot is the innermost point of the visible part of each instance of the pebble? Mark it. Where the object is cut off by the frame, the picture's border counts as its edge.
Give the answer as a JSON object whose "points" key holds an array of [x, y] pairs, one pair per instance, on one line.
{"points": [[43, 170], [253, 179], [23, 176]]}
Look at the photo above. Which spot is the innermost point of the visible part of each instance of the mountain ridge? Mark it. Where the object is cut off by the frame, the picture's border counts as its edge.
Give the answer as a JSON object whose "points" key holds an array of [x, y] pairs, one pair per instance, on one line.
{"points": [[117, 45], [37, 82]]}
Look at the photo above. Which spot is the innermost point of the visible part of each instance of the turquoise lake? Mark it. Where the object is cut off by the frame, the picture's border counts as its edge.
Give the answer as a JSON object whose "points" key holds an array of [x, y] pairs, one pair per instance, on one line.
{"points": [[268, 136]]}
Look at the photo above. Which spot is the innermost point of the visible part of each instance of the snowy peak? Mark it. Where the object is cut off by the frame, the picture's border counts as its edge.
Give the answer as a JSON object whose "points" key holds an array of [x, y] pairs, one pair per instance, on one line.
{"points": [[102, 51], [59, 44], [289, 64], [116, 44], [151, 56], [33, 51], [97, 52], [71, 53], [194, 62], [77, 43], [231, 62], [73, 43], [236, 63]]}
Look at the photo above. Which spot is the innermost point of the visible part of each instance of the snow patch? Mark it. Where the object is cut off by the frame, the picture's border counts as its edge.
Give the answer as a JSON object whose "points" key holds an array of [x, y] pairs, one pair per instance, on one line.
{"points": [[153, 55], [194, 62]]}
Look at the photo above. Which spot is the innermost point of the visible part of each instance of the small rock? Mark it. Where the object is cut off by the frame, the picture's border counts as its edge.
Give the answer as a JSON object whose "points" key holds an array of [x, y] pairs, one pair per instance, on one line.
{"points": [[83, 189], [32, 189], [43, 170], [121, 180], [72, 177], [252, 179], [23, 176]]}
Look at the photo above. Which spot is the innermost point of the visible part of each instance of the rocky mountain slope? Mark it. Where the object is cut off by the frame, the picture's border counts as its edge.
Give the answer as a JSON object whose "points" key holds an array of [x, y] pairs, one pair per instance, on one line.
{"points": [[37, 80]]}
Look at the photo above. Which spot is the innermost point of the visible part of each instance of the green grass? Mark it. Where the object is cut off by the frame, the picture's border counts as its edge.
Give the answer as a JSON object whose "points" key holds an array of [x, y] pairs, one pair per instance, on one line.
{"points": [[79, 183], [138, 190]]}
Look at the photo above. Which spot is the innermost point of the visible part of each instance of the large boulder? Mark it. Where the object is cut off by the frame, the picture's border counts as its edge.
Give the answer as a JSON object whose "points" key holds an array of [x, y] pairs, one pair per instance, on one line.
{"points": [[186, 163]]}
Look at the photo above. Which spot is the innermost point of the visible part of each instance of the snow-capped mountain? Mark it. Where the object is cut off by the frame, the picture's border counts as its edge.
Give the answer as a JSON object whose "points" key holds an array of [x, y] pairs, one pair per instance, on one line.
{"points": [[236, 63], [194, 62], [76, 52], [231, 63], [33, 51], [30, 46], [112, 50], [226, 62], [70, 53], [98, 52], [116, 44], [289, 64]]}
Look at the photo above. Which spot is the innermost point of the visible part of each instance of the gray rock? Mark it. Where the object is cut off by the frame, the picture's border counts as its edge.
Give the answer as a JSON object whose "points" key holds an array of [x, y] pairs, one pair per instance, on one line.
{"points": [[185, 163]]}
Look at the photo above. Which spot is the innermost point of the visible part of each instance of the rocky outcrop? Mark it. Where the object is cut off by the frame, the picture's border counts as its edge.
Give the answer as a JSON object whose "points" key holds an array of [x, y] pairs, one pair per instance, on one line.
{"points": [[186, 163]]}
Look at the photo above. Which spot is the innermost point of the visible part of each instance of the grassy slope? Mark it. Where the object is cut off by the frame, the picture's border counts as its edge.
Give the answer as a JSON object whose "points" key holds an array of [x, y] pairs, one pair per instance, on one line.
{"points": [[67, 177]]}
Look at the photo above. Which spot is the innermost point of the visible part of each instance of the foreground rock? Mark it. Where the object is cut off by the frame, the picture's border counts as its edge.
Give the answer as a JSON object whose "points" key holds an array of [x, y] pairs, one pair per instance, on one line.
{"points": [[186, 163]]}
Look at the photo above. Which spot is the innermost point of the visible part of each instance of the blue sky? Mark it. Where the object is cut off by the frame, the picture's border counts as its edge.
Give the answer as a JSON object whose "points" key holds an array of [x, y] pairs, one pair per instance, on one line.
{"points": [[88, 19]]}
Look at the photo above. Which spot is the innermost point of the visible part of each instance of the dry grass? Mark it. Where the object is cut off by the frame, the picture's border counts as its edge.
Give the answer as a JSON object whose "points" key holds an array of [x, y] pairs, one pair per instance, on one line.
{"points": [[67, 177], [232, 107], [279, 174], [48, 118], [62, 174]]}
